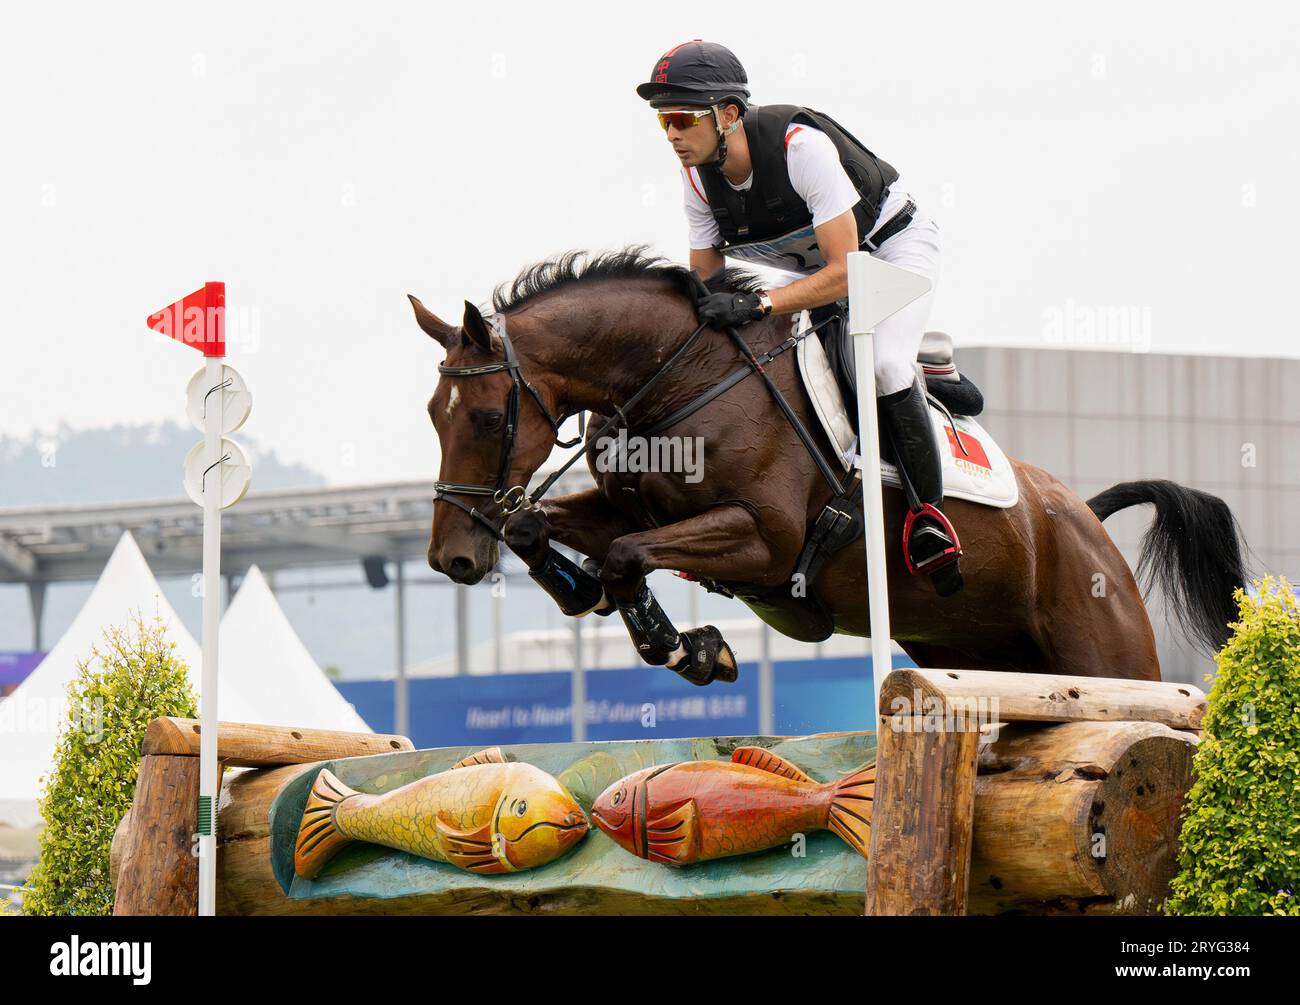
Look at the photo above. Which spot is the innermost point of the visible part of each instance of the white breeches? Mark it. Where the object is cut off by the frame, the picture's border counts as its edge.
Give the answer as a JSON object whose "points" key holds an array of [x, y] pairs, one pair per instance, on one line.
{"points": [[898, 338]]}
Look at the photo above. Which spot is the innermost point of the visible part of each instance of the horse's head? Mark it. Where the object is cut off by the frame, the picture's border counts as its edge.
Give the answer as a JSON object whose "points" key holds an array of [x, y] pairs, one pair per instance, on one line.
{"points": [[475, 404]]}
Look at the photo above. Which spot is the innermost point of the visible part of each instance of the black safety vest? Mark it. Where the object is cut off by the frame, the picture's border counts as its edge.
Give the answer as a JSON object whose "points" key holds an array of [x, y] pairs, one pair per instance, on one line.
{"points": [[770, 223]]}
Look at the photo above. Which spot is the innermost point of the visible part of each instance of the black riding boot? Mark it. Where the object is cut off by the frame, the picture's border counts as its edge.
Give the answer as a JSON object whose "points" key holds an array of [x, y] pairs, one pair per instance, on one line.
{"points": [[930, 542]]}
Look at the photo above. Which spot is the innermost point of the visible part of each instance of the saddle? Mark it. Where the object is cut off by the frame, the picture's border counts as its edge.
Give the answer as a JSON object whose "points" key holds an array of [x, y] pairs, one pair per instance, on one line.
{"points": [[975, 468], [944, 383]]}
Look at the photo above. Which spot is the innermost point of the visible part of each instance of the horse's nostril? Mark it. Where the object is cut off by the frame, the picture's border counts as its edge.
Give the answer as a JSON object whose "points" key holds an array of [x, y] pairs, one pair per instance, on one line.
{"points": [[460, 567]]}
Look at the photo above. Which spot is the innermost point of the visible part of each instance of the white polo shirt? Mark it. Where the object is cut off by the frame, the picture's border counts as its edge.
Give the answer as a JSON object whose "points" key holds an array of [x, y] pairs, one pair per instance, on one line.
{"points": [[817, 175]]}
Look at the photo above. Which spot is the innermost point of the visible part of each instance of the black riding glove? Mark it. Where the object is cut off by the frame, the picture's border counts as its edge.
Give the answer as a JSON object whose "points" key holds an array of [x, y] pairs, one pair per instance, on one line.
{"points": [[728, 310]]}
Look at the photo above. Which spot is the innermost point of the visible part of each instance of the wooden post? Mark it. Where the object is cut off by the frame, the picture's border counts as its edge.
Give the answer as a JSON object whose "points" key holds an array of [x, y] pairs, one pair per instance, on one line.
{"points": [[923, 816], [1045, 837], [159, 873]]}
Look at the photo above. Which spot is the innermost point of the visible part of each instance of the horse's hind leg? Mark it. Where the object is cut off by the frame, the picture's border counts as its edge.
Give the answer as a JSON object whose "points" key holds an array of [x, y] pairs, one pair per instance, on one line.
{"points": [[1088, 618]]}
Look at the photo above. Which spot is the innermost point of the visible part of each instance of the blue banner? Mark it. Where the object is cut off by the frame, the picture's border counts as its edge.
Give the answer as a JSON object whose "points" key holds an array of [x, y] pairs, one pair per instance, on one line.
{"points": [[825, 696], [810, 696], [652, 703]]}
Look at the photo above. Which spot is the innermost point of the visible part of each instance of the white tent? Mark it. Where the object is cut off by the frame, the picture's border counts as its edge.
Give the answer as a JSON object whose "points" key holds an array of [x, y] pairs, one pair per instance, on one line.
{"points": [[32, 716], [261, 654]]}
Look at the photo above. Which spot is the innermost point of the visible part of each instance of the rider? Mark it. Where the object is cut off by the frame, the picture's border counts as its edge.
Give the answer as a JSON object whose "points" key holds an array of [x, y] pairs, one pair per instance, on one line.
{"points": [[788, 187]]}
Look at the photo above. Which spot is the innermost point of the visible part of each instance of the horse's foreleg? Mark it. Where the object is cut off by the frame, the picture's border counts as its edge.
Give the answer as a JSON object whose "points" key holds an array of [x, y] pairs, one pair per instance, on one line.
{"points": [[723, 543], [585, 522], [726, 542]]}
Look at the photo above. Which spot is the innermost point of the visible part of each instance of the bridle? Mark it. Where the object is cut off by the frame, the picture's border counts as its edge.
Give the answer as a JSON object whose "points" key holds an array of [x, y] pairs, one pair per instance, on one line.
{"points": [[515, 497]]}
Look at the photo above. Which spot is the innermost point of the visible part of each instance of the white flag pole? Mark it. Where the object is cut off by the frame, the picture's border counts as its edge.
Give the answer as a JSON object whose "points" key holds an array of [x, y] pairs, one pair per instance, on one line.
{"points": [[214, 404], [877, 290]]}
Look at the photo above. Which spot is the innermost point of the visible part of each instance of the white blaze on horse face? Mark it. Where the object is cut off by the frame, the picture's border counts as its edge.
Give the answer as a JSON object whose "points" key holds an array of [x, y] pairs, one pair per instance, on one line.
{"points": [[452, 401]]}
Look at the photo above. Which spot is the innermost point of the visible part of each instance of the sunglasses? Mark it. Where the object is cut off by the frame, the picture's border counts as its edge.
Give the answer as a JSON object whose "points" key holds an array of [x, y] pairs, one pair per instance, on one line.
{"points": [[684, 120]]}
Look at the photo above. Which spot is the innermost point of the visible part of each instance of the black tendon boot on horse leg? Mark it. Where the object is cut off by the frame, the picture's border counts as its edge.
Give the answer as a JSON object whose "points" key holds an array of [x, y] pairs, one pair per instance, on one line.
{"points": [[575, 590], [930, 543], [700, 655]]}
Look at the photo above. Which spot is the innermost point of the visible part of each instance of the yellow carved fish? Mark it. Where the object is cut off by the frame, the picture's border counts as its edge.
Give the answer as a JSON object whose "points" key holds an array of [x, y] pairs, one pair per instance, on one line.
{"points": [[483, 814]]}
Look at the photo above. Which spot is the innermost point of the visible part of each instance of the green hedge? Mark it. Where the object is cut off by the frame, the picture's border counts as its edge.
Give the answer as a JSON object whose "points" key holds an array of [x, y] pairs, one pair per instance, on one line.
{"points": [[1239, 851], [134, 676]]}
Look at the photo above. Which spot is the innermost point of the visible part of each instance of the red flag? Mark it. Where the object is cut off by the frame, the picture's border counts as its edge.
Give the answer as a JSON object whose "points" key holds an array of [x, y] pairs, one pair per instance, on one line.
{"points": [[974, 451], [198, 320]]}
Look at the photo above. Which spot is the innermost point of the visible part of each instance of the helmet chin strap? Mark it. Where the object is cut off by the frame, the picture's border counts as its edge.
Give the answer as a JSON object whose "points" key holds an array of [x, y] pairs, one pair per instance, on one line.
{"points": [[723, 133]]}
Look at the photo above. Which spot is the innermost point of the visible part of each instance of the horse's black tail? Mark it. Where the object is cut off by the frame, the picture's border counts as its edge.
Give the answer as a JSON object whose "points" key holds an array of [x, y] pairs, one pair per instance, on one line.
{"points": [[1193, 552]]}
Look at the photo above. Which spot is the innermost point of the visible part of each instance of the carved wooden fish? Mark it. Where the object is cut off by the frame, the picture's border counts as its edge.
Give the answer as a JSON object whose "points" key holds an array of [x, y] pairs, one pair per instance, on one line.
{"points": [[483, 815], [695, 811]]}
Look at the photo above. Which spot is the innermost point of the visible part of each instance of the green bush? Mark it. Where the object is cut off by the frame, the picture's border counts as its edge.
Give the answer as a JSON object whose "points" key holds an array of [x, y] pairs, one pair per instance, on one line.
{"points": [[1239, 851], [132, 678]]}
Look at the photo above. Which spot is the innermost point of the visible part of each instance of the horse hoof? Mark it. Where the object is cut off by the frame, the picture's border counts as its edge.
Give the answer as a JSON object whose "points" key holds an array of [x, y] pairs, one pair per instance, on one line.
{"points": [[708, 658]]}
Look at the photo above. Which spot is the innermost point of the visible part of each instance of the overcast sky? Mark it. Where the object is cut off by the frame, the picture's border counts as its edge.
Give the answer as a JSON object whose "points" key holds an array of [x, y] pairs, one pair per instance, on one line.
{"points": [[1085, 162]]}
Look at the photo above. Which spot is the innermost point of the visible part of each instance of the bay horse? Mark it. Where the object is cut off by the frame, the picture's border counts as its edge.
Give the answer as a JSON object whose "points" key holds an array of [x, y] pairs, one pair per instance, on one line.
{"points": [[1047, 590]]}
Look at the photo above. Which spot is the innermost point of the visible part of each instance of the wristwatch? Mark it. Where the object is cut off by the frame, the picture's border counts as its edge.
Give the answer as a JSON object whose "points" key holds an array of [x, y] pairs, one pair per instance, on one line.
{"points": [[765, 302]]}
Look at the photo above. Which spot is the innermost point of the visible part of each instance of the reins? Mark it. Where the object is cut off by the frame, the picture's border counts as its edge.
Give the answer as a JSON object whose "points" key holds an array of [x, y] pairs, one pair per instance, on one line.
{"points": [[517, 497]]}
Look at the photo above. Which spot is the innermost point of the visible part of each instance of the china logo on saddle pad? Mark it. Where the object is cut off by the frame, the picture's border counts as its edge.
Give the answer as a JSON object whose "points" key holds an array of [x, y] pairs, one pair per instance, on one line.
{"points": [[974, 449]]}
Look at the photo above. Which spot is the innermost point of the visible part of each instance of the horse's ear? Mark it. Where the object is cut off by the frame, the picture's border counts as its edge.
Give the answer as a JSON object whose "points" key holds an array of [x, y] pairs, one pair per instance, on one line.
{"points": [[435, 328], [476, 329]]}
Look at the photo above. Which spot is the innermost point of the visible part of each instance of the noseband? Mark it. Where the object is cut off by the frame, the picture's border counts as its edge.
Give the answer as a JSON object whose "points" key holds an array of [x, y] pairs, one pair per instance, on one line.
{"points": [[515, 497]]}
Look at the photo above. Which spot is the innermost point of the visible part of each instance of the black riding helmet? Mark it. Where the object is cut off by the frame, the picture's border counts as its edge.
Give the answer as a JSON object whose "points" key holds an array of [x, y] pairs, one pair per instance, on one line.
{"points": [[698, 73]]}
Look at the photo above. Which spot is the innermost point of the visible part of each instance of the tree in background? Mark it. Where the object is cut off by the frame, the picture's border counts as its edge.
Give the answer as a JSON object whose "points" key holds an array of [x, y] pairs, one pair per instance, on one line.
{"points": [[1239, 850], [132, 678]]}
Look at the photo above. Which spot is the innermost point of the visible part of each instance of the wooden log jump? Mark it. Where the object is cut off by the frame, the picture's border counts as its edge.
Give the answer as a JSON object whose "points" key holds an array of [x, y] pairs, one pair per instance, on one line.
{"points": [[995, 792], [154, 869], [1071, 803]]}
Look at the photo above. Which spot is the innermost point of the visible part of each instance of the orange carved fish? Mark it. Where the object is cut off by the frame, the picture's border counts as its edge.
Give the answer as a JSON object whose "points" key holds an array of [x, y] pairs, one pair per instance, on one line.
{"points": [[701, 810], [483, 815]]}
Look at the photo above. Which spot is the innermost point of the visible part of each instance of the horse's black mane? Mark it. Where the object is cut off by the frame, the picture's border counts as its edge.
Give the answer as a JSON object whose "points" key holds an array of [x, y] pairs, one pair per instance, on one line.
{"points": [[632, 262]]}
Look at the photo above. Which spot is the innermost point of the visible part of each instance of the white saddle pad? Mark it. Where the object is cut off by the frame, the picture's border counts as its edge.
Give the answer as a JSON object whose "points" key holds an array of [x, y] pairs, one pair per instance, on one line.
{"points": [[974, 466]]}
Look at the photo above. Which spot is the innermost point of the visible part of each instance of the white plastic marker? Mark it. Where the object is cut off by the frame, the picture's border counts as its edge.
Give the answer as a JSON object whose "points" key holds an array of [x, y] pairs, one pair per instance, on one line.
{"points": [[877, 290], [216, 476]]}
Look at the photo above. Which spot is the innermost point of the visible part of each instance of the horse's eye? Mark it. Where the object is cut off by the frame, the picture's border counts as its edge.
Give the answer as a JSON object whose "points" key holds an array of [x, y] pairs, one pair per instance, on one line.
{"points": [[492, 421], [522, 808]]}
